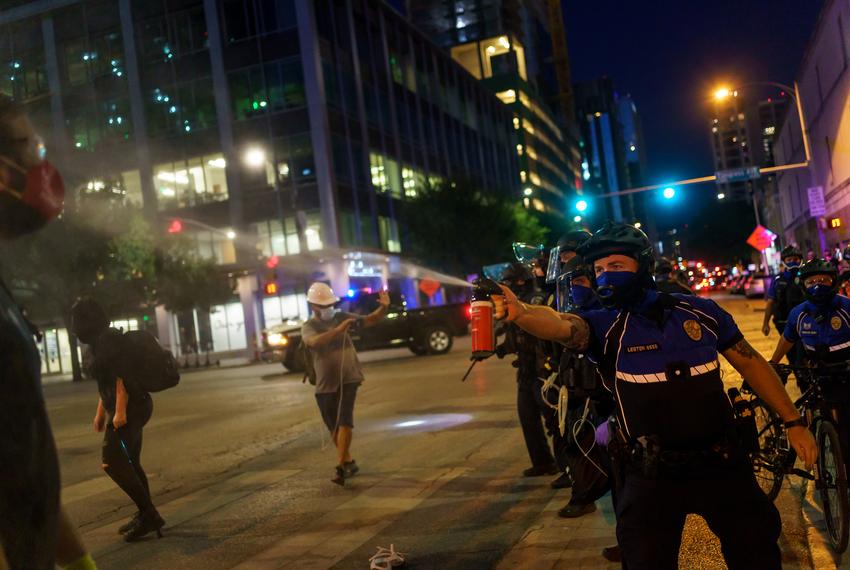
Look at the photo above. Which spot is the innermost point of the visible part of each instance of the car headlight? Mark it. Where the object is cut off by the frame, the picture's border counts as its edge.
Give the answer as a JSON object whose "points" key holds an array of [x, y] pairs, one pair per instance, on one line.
{"points": [[277, 339]]}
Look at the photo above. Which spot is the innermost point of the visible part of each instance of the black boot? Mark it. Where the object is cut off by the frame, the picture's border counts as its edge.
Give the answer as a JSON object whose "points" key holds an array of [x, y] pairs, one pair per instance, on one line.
{"points": [[562, 482], [339, 476], [350, 468], [148, 522], [130, 524]]}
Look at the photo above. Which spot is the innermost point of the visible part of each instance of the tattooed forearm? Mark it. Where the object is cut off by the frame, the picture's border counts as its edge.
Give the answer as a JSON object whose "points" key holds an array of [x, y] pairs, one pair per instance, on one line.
{"points": [[743, 348], [579, 332]]}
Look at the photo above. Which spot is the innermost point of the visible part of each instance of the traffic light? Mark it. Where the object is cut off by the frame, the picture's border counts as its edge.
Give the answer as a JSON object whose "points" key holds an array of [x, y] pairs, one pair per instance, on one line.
{"points": [[175, 227], [271, 288], [581, 205], [272, 262], [834, 223]]}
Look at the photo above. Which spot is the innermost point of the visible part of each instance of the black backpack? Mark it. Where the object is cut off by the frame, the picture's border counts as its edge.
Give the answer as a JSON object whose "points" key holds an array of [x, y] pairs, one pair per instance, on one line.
{"points": [[149, 366]]}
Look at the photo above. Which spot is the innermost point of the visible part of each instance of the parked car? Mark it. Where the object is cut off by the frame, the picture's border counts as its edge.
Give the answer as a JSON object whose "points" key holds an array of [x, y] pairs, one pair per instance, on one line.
{"points": [[755, 286], [427, 330]]}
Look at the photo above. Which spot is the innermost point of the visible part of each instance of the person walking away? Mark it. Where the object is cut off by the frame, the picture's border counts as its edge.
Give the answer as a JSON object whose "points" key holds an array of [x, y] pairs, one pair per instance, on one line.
{"points": [[338, 372], [36, 532], [123, 410], [658, 354]]}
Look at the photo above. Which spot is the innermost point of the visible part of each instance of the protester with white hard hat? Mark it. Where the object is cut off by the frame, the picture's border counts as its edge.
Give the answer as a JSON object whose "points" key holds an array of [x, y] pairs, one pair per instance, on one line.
{"points": [[333, 365]]}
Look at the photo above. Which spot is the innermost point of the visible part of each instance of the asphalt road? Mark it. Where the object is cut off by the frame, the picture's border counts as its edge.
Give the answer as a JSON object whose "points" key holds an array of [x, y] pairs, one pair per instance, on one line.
{"points": [[240, 468]]}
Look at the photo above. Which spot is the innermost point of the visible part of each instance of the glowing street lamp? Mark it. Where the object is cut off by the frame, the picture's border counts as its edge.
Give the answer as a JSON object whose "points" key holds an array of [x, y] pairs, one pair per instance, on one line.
{"points": [[255, 157], [668, 193], [722, 93], [581, 205]]}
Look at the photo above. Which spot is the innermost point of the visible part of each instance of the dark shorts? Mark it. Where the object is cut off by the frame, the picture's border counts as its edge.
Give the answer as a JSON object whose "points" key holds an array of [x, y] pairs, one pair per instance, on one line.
{"points": [[330, 408]]}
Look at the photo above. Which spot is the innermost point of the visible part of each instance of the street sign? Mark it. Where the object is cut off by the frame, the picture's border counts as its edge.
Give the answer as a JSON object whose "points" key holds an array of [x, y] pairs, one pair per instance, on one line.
{"points": [[737, 174], [429, 287], [817, 205], [761, 238]]}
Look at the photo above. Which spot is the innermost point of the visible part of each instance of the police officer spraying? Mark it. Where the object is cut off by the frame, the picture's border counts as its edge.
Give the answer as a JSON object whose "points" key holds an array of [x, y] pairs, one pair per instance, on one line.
{"points": [[658, 354], [783, 294], [530, 407]]}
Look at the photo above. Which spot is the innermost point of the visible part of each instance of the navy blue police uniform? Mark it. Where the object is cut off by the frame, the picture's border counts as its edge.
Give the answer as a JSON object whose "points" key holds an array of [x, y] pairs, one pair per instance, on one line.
{"points": [[660, 360], [825, 336]]}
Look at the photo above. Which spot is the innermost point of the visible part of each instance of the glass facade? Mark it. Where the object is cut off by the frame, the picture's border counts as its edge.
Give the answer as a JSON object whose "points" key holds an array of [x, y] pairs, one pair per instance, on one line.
{"points": [[299, 125]]}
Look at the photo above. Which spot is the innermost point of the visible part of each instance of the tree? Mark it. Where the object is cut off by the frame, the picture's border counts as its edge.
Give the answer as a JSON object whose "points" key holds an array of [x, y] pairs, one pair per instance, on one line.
{"points": [[458, 228], [105, 249]]}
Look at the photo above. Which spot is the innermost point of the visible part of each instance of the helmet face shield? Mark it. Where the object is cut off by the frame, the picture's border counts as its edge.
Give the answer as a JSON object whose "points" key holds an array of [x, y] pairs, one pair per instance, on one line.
{"points": [[556, 266], [495, 271], [527, 253], [562, 295]]}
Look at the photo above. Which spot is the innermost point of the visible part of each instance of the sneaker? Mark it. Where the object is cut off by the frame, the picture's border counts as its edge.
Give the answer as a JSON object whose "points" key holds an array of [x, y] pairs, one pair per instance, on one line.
{"points": [[540, 471], [574, 511], [386, 559], [350, 468], [562, 482], [339, 476], [148, 522], [612, 553]]}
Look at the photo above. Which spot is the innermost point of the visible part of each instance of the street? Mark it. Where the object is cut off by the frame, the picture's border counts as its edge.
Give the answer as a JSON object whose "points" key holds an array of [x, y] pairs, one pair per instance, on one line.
{"points": [[240, 468]]}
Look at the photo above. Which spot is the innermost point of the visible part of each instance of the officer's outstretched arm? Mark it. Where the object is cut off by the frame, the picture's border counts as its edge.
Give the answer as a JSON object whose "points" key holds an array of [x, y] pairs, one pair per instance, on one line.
{"points": [[543, 322], [762, 378]]}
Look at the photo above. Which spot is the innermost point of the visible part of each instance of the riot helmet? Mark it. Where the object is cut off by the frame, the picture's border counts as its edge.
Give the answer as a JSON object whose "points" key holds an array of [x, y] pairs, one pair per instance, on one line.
{"points": [[663, 268], [571, 293], [820, 294], [791, 252], [615, 288], [517, 277], [566, 247]]}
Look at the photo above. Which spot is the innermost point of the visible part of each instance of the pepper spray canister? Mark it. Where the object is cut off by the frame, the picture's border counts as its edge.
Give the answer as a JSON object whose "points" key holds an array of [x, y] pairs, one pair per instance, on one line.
{"points": [[483, 312]]}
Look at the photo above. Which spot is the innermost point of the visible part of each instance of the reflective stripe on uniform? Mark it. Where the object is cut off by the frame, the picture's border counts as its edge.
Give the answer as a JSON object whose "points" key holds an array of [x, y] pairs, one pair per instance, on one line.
{"points": [[662, 376]]}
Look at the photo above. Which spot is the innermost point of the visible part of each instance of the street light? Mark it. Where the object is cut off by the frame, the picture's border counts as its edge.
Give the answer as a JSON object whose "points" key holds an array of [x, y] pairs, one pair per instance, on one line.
{"points": [[720, 195], [255, 157], [231, 235], [576, 219], [528, 191], [581, 205], [721, 93], [669, 192]]}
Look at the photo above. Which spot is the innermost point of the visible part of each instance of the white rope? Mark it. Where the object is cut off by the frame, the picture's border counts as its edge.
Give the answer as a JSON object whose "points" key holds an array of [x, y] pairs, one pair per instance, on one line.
{"points": [[577, 428]]}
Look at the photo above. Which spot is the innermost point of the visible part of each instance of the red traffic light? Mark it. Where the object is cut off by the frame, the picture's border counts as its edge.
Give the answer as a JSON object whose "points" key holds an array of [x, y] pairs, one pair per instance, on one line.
{"points": [[271, 288], [272, 262], [175, 227]]}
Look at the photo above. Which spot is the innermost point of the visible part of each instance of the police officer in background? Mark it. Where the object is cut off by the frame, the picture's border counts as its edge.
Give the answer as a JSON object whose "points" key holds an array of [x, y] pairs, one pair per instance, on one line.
{"points": [[666, 282], [530, 407], [658, 354], [822, 324], [588, 403], [783, 294]]}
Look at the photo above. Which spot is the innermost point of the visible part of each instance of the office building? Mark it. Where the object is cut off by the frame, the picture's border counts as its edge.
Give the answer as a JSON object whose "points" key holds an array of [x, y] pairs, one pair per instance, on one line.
{"points": [[518, 50], [287, 128]]}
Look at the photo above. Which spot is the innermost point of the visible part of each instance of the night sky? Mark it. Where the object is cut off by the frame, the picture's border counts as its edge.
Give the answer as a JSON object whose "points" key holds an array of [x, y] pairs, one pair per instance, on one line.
{"points": [[669, 54]]}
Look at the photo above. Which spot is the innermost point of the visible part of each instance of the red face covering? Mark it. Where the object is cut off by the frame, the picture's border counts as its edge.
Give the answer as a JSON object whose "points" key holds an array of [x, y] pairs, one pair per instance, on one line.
{"points": [[29, 199]]}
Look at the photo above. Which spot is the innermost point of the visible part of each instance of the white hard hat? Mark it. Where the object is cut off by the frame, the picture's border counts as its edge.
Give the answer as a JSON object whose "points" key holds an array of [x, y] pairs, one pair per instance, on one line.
{"points": [[320, 294]]}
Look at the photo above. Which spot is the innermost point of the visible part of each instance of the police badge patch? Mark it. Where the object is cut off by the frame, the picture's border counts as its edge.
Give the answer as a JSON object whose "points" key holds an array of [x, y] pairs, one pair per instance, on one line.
{"points": [[835, 322], [693, 329]]}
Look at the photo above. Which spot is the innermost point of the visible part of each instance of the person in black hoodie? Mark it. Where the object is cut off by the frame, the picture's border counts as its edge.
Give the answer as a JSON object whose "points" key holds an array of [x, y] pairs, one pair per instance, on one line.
{"points": [[122, 412]]}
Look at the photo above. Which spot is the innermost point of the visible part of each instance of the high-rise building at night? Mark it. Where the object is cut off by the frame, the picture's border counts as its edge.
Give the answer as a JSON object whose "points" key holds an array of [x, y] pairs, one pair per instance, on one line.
{"points": [[742, 135], [518, 49], [297, 125], [614, 150]]}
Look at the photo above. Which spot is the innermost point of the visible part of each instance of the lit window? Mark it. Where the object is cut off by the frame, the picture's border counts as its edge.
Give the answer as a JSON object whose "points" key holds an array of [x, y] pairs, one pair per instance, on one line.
{"points": [[519, 149], [507, 97], [769, 130], [516, 123], [523, 175]]}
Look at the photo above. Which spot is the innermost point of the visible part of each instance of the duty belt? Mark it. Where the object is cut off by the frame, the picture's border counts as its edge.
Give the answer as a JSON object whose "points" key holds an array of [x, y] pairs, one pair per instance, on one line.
{"points": [[650, 458]]}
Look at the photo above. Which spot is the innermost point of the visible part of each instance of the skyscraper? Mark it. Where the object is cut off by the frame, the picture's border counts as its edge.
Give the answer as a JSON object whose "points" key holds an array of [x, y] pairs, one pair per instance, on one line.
{"points": [[517, 48]]}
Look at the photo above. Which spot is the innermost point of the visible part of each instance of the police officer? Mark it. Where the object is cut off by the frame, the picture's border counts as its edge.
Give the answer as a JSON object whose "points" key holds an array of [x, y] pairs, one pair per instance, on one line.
{"points": [[530, 406], [783, 294], [666, 282], [658, 353], [586, 405], [822, 324]]}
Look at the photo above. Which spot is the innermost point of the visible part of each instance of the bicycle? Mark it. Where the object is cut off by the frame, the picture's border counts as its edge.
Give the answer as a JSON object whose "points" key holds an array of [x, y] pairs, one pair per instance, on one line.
{"points": [[775, 458]]}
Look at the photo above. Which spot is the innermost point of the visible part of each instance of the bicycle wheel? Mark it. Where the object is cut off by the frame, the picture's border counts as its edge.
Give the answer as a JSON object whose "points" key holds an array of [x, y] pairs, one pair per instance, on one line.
{"points": [[773, 454], [832, 484]]}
